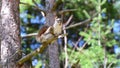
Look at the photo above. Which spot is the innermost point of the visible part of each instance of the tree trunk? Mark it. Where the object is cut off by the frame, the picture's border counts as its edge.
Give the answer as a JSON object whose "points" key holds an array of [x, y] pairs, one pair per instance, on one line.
{"points": [[0, 33], [53, 48], [54, 55], [10, 35], [0, 21]]}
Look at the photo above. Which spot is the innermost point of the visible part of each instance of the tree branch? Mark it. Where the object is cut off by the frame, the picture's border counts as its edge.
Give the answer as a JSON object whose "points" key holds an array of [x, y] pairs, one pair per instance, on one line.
{"points": [[109, 66], [30, 55], [67, 10], [29, 35], [65, 48], [38, 50], [68, 21], [65, 40], [56, 5], [75, 46], [80, 23], [35, 3], [39, 9]]}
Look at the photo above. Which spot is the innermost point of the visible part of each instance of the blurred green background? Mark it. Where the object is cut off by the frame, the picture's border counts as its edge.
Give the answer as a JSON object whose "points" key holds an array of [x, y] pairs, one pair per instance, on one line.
{"points": [[95, 44]]}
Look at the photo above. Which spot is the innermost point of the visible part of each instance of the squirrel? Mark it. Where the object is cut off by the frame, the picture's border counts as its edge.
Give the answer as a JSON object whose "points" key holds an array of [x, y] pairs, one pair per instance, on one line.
{"points": [[48, 33]]}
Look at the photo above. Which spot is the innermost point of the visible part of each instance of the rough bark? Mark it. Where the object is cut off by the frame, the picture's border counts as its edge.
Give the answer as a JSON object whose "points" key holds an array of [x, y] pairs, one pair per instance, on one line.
{"points": [[0, 24], [54, 56], [10, 35], [53, 48], [0, 32]]}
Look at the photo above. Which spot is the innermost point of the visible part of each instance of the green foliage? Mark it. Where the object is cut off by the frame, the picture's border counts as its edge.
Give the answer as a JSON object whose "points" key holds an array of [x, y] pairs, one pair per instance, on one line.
{"points": [[86, 14], [39, 64], [28, 4], [116, 5], [98, 36]]}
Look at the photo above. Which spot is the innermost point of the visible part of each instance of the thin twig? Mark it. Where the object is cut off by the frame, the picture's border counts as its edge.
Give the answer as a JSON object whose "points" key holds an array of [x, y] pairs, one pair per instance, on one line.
{"points": [[80, 38], [105, 57], [65, 40], [80, 23], [39, 9], [109, 66], [29, 35], [65, 48], [66, 10], [43, 13], [35, 3], [83, 46], [68, 21], [80, 49], [75, 46]]}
